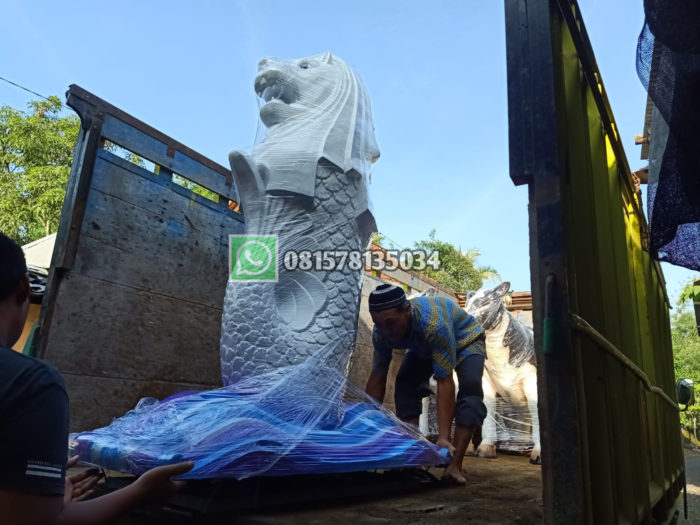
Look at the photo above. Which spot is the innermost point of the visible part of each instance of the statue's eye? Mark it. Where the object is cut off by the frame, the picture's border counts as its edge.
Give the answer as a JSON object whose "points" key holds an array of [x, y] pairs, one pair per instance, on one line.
{"points": [[304, 65]]}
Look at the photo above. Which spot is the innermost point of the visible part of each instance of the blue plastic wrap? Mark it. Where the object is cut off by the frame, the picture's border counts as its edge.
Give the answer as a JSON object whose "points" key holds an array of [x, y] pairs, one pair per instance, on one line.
{"points": [[273, 424]]}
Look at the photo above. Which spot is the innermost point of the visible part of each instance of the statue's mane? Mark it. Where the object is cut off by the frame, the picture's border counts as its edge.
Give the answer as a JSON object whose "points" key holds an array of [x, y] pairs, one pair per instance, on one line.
{"points": [[336, 127]]}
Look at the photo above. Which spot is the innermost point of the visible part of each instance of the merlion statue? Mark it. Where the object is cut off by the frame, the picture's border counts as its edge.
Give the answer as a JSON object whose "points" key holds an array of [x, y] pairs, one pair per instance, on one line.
{"points": [[305, 182]]}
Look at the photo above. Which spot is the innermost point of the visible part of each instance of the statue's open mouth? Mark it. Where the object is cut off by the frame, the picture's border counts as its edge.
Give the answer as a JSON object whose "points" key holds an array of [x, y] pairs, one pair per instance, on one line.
{"points": [[273, 92], [271, 86]]}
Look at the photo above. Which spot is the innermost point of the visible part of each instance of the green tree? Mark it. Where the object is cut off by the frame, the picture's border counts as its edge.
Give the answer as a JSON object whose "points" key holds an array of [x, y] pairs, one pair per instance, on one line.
{"points": [[686, 351], [684, 337], [458, 270], [195, 188], [36, 150], [378, 238], [486, 272]]}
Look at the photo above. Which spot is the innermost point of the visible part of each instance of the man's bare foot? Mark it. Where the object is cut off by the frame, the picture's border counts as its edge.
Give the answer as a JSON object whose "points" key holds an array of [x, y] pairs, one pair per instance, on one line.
{"points": [[453, 475]]}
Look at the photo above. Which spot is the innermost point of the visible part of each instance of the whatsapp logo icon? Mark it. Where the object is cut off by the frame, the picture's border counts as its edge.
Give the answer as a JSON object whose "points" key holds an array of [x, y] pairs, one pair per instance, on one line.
{"points": [[252, 258]]}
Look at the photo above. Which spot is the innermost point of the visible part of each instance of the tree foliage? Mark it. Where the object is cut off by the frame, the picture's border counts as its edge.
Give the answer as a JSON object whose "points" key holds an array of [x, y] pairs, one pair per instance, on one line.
{"points": [[685, 339], [458, 270], [195, 188], [36, 150], [686, 351]]}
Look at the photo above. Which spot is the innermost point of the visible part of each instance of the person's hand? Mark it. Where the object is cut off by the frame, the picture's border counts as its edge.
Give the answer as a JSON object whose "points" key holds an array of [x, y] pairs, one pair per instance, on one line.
{"points": [[156, 485], [445, 443], [80, 486]]}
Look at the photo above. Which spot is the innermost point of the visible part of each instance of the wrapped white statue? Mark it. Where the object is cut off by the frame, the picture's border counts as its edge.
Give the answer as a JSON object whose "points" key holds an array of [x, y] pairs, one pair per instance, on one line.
{"points": [[510, 376], [287, 407], [306, 183]]}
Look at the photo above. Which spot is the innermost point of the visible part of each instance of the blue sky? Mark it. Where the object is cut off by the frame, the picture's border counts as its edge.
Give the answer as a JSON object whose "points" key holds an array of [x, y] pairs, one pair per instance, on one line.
{"points": [[435, 71]]}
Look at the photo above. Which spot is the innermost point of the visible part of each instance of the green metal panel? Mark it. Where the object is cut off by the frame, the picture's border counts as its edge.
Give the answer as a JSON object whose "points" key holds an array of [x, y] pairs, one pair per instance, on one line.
{"points": [[624, 441]]}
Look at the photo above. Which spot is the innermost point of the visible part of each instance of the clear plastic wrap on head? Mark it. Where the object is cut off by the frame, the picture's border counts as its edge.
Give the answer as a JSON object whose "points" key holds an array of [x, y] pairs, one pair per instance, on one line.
{"points": [[490, 311], [313, 108], [286, 407], [305, 182]]}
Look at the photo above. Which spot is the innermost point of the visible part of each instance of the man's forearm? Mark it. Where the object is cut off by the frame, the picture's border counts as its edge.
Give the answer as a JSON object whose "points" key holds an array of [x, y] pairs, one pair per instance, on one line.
{"points": [[376, 386], [100, 510], [445, 406], [38, 509]]}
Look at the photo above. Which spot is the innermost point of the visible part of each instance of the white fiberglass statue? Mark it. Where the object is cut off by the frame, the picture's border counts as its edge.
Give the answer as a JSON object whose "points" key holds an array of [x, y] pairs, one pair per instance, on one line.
{"points": [[306, 183]]}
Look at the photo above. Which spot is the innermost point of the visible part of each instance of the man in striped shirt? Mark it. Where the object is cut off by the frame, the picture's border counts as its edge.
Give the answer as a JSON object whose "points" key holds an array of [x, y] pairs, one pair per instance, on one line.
{"points": [[440, 338]]}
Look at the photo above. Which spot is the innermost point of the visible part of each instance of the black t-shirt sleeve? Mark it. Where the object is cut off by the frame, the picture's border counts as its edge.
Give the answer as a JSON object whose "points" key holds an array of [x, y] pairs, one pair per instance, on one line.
{"points": [[34, 434]]}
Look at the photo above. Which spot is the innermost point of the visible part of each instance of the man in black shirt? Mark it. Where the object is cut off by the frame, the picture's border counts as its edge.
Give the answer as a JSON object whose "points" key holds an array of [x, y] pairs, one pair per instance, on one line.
{"points": [[34, 412], [34, 426]]}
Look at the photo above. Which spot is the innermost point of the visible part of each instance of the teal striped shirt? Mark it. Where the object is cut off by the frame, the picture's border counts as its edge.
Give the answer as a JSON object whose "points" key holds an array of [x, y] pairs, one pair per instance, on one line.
{"points": [[440, 330]]}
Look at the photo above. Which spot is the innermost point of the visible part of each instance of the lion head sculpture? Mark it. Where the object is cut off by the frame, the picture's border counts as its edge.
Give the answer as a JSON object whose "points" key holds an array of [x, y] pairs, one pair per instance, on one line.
{"points": [[314, 108]]}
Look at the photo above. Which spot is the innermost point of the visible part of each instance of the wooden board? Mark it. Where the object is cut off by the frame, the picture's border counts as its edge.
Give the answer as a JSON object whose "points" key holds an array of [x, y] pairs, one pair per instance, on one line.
{"points": [[135, 293], [108, 330], [95, 401], [164, 248], [156, 151]]}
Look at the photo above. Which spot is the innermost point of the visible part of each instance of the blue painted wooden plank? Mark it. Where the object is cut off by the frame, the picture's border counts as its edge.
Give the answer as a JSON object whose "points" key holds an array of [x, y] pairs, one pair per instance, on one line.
{"points": [[154, 150], [120, 173]]}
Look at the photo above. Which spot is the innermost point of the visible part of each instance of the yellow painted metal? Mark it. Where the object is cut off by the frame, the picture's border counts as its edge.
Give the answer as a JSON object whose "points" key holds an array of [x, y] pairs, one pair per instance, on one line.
{"points": [[630, 437]]}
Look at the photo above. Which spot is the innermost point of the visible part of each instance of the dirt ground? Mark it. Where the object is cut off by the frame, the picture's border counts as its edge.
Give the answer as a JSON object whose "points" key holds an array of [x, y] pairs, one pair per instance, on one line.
{"points": [[692, 470], [504, 490]]}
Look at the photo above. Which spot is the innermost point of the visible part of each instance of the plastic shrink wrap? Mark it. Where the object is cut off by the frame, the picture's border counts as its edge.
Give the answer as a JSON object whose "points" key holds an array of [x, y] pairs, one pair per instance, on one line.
{"points": [[511, 370], [288, 327], [277, 423]]}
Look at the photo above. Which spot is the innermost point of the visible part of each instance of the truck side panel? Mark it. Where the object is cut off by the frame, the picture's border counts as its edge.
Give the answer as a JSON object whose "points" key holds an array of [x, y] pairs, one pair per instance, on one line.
{"points": [[135, 292], [611, 433]]}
